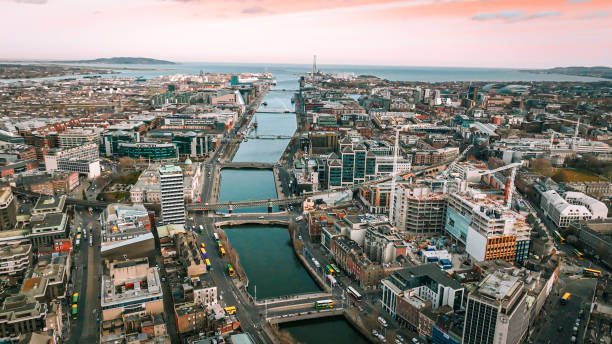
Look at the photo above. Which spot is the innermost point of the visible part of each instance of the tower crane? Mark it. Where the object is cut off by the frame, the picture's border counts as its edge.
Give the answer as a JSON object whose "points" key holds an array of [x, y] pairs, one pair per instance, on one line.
{"points": [[509, 181], [450, 167]]}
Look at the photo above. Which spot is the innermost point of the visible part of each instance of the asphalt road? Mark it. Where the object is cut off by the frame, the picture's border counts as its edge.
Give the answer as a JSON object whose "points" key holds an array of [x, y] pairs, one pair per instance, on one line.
{"points": [[88, 269], [559, 320], [247, 314]]}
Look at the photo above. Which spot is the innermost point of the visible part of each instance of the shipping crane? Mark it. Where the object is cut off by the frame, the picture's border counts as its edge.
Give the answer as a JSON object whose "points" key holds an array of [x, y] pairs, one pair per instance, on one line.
{"points": [[509, 181]]}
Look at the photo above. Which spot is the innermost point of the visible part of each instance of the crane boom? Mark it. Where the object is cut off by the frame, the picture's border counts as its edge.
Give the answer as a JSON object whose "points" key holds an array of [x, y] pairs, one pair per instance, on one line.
{"points": [[505, 167], [454, 162], [509, 182]]}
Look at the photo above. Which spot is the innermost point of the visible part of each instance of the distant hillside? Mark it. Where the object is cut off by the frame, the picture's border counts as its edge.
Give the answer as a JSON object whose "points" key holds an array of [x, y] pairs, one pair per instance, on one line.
{"points": [[123, 60], [597, 72]]}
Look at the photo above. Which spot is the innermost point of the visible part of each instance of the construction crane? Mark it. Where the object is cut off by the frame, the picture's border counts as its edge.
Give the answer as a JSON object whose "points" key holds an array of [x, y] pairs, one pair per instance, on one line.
{"points": [[509, 181], [450, 167]]}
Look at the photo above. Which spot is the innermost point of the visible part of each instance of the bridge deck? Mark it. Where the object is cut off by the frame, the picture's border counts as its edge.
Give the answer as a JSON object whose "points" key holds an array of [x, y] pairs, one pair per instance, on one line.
{"points": [[304, 315]]}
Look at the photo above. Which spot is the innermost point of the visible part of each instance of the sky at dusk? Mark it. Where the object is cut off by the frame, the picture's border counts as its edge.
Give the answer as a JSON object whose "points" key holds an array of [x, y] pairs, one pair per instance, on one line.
{"points": [[469, 33]]}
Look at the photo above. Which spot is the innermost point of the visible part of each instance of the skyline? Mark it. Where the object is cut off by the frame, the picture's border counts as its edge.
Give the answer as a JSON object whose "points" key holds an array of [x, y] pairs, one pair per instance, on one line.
{"points": [[460, 33]]}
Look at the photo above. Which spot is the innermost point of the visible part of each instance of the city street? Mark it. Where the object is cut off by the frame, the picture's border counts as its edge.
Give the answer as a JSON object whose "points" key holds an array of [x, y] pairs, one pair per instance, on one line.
{"points": [[565, 315], [86, 280]]}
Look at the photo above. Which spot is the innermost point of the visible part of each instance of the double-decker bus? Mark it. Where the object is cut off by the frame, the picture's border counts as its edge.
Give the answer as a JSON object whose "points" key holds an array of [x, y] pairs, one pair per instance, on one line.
{"points": [[75, 298], [565, 298], [230, 270], [336, 270], [560, 238], [230, 310], [204, 255], [222, 251], [329, 270], [353, 293], [208, 265], [591, 272], [324, 304], [578, 254], [74, 311]]}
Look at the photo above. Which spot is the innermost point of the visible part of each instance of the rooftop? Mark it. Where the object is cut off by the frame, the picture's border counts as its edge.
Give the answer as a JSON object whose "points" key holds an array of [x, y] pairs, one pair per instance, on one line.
{"points": [[170, 169]]}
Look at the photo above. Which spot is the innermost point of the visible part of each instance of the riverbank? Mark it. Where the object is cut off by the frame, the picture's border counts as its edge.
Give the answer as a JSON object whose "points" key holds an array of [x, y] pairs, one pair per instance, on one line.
{"points": [[298, 250]]}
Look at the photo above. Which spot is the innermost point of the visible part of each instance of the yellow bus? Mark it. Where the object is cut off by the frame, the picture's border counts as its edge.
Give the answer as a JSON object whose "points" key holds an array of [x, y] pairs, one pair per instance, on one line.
{"points": [[203, 245], [222, 251], [565, 298], [230, 310], [592, 272]]}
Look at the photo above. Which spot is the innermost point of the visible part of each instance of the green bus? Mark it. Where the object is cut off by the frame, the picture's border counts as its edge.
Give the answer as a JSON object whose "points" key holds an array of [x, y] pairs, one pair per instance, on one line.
{"points": [[75, 298], [336, 270], [329, 270], [74, 311], [324, 304], [578, 254], [560, 238], [230, 270]]}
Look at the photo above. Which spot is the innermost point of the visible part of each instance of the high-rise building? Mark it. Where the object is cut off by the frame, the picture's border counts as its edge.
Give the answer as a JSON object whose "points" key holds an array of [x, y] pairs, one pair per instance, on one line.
{"points": [[497, 311], [8, 209], [172, 194]]}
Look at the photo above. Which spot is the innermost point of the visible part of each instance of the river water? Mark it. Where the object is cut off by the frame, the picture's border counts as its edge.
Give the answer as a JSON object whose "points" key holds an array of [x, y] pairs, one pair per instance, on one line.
{"points": [[265, 251], [324, 331]]}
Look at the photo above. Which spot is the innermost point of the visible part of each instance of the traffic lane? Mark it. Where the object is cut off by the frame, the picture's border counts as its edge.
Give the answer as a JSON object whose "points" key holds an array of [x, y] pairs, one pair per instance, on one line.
{"points": [[227, 291], [90, 309], [565, 315]]}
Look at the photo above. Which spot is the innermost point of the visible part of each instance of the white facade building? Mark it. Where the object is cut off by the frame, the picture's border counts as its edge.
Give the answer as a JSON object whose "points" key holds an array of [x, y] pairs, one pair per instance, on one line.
{"points": [[575, 207], [172, 194], [83, 159]]}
